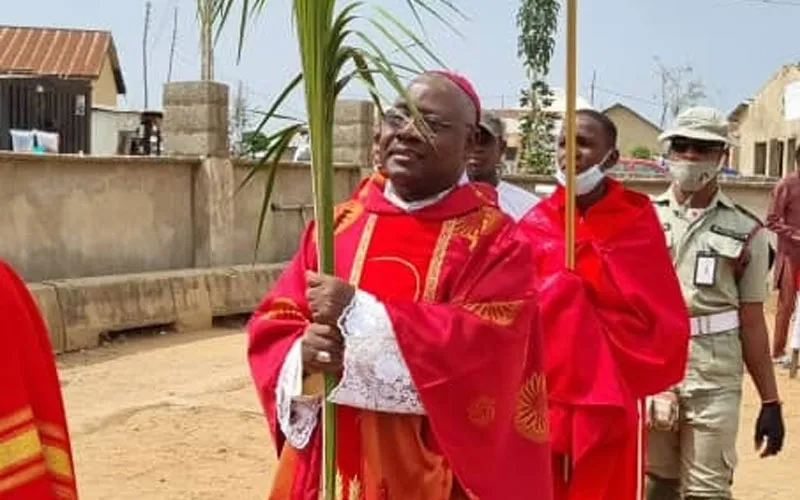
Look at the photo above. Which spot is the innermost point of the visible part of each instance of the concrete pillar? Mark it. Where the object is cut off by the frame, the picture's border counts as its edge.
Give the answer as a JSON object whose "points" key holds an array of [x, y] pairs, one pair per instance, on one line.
{"points": [[195, 119], [352, 132], [196, 124], [214, 213]]}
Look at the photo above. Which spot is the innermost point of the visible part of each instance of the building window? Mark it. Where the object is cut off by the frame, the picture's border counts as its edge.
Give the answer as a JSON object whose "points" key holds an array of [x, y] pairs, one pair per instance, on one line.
{"points": [[791, 149], [760, 159], [511, 154], [775, 159]]}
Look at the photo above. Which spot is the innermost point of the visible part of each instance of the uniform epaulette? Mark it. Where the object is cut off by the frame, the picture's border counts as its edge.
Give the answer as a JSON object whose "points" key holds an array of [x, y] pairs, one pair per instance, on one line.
{"points": [[749, 214], [659, 202], [772, 253]]}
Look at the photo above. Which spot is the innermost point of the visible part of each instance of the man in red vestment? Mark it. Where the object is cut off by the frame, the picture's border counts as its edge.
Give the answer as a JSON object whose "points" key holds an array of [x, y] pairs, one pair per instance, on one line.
{"points": [[35, 454], [430, 320], [615, 328]]}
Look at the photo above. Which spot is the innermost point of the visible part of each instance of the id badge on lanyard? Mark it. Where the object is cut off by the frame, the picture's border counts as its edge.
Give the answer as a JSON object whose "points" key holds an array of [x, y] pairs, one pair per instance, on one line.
{"points": [[705, 269]]}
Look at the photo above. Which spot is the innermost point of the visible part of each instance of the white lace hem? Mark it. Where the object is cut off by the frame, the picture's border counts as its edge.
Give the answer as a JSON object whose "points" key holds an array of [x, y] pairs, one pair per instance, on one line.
{"points": [[297, 414], [376, 376]]}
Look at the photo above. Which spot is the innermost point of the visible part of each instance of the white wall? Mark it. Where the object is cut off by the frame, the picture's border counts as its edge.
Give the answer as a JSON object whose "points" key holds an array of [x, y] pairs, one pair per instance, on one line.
{"points": [[106, 125]]}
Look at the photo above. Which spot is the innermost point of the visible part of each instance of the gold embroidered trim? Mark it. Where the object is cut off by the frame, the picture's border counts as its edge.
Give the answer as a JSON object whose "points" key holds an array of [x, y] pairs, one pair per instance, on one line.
{"points": [[20, 447], [361, 251], [15, 419], [57, 461], [410, 266], [23, 476], [435, 269]]}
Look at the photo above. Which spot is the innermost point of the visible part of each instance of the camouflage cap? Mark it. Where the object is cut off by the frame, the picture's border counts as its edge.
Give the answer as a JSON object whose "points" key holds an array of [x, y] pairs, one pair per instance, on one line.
{"points": [[702, 124], [492, 124]]}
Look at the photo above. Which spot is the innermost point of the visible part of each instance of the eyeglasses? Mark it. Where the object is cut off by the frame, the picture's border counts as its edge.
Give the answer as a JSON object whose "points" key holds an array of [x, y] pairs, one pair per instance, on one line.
{"points": [[399, 119], [485, 138], [700, 147]]}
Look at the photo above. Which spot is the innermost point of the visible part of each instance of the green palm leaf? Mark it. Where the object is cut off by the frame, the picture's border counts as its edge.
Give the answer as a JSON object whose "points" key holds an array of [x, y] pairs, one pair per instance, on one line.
{"points": [[334, 53]]}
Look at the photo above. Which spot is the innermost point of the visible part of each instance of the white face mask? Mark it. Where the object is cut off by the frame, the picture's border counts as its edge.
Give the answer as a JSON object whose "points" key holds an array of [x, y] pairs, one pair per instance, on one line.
{"points": [[692, 176], [587, 180]]}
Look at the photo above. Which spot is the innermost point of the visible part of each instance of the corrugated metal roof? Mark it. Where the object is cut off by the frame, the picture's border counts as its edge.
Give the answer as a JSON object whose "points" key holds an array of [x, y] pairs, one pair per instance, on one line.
{"points": [[57, 52]]}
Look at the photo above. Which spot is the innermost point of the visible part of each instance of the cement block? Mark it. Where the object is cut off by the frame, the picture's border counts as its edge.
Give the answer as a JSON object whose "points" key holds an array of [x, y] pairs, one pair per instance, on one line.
{"points": [[192, 300], [349, 111], [196, 119], [47, 300], [239, 289], [194, 92], [92, 306]]}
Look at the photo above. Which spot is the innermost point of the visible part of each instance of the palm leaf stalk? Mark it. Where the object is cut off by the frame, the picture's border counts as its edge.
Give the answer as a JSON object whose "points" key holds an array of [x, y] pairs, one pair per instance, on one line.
{"points": [[334, 52]]}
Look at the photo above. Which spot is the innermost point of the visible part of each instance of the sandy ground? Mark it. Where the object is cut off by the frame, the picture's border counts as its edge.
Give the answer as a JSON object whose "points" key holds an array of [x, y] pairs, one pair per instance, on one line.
{"points": [[174, 416]]}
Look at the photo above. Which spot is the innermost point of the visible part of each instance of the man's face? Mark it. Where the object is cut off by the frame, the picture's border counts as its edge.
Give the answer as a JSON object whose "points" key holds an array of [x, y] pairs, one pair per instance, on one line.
{"points": [[592, 146], [420, 167], [694, 150], [486, 157]]}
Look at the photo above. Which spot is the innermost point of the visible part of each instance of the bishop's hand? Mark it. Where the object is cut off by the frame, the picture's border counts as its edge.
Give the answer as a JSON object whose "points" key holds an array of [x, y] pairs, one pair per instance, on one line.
{"points": [[327, 297], [323, 349]]}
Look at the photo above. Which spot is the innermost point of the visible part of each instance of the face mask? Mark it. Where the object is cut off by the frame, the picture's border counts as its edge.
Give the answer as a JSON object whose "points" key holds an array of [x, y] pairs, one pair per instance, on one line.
{"points": [[692, 176], [587, 180]]}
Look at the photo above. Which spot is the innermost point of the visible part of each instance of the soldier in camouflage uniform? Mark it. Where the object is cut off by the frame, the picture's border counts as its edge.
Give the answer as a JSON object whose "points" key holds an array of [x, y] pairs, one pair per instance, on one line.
{"points": [[721, 256]]}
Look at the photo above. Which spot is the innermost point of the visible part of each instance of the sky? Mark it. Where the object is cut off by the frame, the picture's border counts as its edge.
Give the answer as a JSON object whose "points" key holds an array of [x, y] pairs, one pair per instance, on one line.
{"points": [[734, 46]]}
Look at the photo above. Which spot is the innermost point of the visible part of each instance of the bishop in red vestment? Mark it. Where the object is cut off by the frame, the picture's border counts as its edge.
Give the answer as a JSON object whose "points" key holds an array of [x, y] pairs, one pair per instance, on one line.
{"points": [[431, 315], [615, 329], [35, 453]]}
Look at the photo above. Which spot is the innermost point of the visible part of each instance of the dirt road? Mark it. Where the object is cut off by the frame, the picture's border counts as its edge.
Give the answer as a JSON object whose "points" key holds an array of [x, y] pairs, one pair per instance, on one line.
{"points": [[174, 417]]}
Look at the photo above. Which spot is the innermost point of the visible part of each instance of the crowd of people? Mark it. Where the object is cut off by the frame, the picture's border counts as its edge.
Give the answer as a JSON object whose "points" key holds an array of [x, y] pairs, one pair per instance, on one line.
{"points": [[472, 362]]}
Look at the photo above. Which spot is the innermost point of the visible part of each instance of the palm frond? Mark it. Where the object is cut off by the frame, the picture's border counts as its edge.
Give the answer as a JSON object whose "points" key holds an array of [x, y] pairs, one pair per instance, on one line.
{"points": [[334, 52]]}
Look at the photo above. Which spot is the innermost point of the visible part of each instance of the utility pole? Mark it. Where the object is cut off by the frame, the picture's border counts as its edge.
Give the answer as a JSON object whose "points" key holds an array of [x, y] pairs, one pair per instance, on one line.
{"points": [[208, 8], [172, 45], [148, 8], [594, 82]]}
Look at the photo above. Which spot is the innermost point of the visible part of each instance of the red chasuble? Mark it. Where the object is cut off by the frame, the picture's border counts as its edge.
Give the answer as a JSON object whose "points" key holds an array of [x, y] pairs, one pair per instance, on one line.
{"points": [[455, 279], [35, 455], [615, 330]]}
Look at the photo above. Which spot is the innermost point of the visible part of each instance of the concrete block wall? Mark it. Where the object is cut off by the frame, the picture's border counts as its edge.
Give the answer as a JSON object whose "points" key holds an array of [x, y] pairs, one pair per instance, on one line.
{"points": [[78, 312]]}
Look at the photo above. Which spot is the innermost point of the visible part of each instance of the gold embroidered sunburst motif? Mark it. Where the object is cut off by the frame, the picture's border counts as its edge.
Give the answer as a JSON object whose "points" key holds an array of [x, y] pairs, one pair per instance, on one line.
{"points": [[345, 214], [502, 313], [284, 308], [339, 487], [476, 225], [482, 411], [355, 489], [530, 416]]}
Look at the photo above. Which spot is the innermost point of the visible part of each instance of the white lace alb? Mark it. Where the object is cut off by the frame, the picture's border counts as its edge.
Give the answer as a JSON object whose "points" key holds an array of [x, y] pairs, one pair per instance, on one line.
{"points": [[297, 414], [375, 377]]}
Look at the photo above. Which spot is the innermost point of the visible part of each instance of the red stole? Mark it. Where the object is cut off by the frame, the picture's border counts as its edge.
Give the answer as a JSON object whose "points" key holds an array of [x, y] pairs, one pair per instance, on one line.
{"points": [[456, 282], [35, 454], [615, 331]]}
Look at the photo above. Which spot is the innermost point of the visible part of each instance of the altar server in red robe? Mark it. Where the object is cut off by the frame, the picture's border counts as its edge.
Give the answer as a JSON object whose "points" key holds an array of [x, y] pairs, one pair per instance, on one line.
{"points": [[35, 454], [432, 318], [615, 329]]}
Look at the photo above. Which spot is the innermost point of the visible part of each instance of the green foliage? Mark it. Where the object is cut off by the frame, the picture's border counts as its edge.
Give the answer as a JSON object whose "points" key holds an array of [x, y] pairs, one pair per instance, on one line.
{"points": [[537, 21], [253, 143], [641, 152]]}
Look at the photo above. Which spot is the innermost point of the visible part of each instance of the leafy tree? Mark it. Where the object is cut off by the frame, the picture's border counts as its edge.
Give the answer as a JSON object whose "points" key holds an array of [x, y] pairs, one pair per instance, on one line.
{"points": [[680, 89], [641, 152], [537, 21]]}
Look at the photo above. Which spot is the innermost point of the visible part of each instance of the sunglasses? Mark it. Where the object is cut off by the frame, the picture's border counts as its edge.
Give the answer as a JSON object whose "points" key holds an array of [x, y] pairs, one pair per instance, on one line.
{"points": [[485, 138], [700, 147]]}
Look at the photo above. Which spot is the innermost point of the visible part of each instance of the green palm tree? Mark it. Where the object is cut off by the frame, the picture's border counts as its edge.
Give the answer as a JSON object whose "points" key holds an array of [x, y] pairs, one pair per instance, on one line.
{"points": [[335, 52]]}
